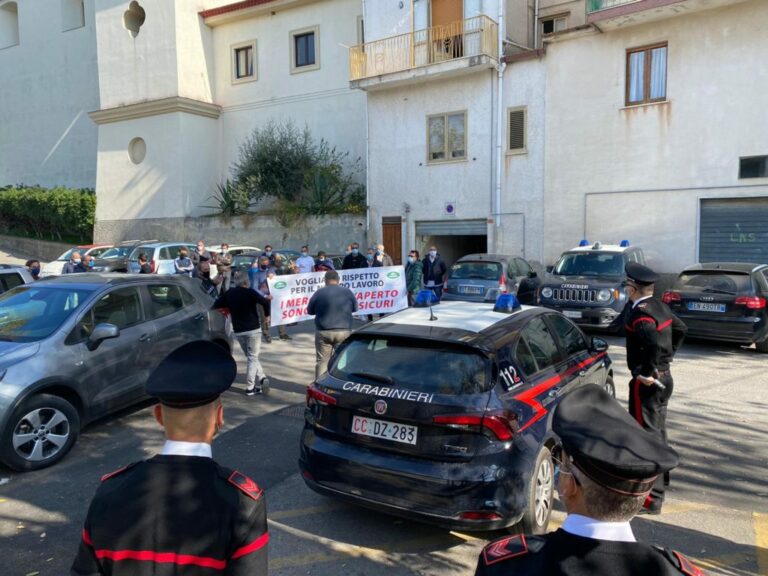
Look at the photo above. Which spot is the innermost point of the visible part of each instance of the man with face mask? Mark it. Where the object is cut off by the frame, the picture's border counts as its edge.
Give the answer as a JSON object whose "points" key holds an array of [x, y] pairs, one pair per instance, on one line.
{"points": [[434, 272], [414, 275], [179, 511], [74, 265], [34, 268], [604, 470], [305, 262], [354, 259]]}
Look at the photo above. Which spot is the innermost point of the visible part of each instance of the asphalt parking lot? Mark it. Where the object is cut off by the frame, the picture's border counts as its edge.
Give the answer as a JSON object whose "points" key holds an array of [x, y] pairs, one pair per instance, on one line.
{"points": [[716, 512]]}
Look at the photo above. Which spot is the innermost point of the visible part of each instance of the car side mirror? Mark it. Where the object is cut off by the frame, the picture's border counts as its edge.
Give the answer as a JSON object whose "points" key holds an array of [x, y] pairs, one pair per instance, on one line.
{"points": [[100, 333], [599, 345], [532, 274], [550, 268]]}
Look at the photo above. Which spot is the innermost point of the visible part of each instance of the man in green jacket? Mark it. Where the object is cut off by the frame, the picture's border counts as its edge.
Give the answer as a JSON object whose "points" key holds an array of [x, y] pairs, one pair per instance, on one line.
{"points": [[414, 275]]}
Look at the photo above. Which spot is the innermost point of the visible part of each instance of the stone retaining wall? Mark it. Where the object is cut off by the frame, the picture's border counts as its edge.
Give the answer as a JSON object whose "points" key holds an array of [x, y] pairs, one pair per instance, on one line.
{"points": [[32, 248]]}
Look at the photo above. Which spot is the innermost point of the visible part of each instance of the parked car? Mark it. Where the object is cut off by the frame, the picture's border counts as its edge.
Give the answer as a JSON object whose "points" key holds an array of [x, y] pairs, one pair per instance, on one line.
{"points": [[12, 276], [480, 278], [56, 267], [586, 283], [444, 415], [81, 346], [160, 256], [723, 301], [116, 258], [234, 251]]}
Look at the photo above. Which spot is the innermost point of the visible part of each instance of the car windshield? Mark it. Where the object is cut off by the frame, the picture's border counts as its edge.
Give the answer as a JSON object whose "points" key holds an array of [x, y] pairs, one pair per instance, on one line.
{"points": [[403, 364], [590, 264], [116, 252], [714, 282], [475, 271], [33, 312]]}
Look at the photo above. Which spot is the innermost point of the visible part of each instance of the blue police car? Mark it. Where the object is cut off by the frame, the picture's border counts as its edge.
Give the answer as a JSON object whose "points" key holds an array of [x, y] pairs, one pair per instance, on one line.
{"points": [[443, 414]]}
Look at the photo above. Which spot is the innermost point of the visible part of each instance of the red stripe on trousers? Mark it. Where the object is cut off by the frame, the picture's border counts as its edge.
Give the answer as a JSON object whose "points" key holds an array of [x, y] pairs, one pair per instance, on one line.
{"points": [[638, 406], [162, 558], [663, 325], [257, 544]]}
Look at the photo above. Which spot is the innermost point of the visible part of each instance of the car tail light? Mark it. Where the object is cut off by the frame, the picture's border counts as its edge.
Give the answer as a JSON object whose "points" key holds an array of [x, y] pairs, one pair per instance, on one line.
{"points": [[153, 266], [497, 422], [308, 476], [670, 297], [314, 394], [751, 302], [479, 515]]}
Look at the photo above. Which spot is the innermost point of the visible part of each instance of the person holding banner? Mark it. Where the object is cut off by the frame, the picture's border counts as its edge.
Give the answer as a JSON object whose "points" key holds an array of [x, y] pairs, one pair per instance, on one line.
{"points": [[258, 274], [332, 306]]}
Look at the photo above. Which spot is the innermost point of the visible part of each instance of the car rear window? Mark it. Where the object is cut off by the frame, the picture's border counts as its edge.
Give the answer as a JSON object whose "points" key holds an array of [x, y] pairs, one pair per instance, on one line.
{"points": [[590, 264], [476, 271], [150, 252], [425, 366], [10, 280], [714, 281]]}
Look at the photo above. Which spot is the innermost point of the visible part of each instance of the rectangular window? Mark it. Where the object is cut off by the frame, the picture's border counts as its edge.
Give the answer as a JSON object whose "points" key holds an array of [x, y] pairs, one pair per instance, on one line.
{"points": [[646, 79], [517, 141], [552, 25], [305, 53], [753, 167], [447, 137], [244, 62]]}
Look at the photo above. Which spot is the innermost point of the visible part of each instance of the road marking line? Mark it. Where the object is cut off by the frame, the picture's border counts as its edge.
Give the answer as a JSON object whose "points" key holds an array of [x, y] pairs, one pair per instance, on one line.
{"points": [[760, 524], [724, 562], [283, 514]]}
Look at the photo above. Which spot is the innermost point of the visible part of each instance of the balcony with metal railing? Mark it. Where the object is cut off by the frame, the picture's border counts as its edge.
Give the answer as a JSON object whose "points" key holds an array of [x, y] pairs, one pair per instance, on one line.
{"points": [[444, 50], [613, 14]]}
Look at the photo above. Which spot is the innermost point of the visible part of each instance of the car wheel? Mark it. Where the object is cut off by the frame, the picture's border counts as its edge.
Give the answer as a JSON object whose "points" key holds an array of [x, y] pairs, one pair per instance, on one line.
{"points": [[762, 346], [609, 386], [540, 495], [40, 433]]}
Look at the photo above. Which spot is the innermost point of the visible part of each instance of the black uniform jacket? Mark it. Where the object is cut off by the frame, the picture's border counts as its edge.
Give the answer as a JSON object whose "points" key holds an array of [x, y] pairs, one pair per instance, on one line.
{"points": [[653, 336], [175, 515], [562, 553]]}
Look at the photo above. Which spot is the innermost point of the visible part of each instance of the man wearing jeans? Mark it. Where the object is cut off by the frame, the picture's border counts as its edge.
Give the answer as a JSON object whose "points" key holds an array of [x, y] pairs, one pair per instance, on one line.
{"points": [[243, 304], [332, 306]]}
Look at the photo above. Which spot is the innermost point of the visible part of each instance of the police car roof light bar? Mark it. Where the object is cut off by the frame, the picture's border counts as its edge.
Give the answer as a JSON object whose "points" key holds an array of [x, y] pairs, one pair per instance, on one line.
{"points": [[506, 304], [584, 242], [624, 244]]}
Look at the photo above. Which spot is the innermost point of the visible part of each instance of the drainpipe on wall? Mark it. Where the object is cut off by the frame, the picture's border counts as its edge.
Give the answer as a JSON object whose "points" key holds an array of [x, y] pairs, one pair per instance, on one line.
{"points": [[499, 130], [535, 26], [367, 165]]}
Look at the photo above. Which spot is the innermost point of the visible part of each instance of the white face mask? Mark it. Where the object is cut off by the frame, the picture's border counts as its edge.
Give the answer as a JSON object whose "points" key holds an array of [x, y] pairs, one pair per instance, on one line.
{"points": [[411, 259], [433, 253]]}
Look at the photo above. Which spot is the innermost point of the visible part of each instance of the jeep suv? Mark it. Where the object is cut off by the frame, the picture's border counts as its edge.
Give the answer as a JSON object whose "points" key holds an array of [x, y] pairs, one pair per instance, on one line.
{"points": [[585, 284]]}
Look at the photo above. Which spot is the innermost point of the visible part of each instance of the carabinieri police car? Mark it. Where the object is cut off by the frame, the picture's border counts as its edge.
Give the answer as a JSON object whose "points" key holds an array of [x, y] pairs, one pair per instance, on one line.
{"points": [[585, 284], [443, 414]]}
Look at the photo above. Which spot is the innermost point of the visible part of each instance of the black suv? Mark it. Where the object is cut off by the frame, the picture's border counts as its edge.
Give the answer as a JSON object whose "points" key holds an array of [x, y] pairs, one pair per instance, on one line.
{"points": [[444, 415], [585, 284], [116, 258]]}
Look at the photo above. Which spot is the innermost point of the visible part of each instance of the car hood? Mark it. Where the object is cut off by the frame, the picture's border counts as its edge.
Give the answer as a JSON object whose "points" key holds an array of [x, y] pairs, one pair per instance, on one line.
{"points": [[12, 352]]}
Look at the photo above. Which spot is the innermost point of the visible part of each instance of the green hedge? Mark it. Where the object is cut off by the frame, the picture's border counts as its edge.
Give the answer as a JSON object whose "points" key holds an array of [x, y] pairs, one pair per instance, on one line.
{"points": [[59, 214]]}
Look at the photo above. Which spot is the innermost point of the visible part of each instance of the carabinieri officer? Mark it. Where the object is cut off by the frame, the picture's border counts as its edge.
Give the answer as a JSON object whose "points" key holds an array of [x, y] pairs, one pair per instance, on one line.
{"points": [[179, 512], [653, 336], [603, 471]]}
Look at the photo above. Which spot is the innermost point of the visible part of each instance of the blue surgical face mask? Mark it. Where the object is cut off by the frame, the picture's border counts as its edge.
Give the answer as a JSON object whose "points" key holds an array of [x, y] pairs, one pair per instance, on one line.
{"points": [[369, 256], [355, 251], [378, 252], [76, 260], [90, 263], [268, 253], [433, 253], [411, 259], [304, 253]]}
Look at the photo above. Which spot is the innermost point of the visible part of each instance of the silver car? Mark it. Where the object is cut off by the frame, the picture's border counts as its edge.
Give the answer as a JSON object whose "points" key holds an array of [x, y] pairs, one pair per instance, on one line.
{"points": [[79, 347]]}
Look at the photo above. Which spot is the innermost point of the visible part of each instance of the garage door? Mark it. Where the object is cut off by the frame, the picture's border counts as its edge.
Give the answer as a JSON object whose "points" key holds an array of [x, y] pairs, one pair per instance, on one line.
{"points": [[452, 228], [734, 230]]}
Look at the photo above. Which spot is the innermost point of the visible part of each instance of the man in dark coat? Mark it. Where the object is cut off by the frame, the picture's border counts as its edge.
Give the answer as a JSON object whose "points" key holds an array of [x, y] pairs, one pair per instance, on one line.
{"points": [[434, 272], [179, 512], [653, 336], [603, 471], [354, 259]]}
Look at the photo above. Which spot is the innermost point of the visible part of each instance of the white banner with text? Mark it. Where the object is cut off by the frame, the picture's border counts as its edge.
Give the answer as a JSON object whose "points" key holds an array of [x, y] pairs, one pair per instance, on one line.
{"points": [[378, 291]]}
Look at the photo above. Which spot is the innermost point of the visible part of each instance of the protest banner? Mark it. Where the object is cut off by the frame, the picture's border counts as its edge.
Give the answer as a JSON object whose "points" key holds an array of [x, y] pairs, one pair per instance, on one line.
{"points": [[378, 291]]}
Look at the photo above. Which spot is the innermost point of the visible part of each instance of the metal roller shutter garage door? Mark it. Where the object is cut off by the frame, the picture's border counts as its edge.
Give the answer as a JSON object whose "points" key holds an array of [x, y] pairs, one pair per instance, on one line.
{"points": [[452, 228], [734, 230]]}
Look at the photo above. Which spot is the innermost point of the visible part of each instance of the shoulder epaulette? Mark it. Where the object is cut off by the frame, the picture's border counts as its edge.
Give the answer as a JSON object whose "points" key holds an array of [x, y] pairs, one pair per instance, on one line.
{"points": [[245, 484], [118, 471], [680, 562], [510, 547]]}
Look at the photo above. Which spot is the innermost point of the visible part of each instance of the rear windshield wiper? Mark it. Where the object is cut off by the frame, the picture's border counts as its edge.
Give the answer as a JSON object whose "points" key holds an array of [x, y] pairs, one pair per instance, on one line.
{"points": [[370, 376], [719, 291]]}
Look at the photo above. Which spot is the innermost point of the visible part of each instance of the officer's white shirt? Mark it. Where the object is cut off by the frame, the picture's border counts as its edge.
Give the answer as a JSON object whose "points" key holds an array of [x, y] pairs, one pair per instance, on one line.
{"points": [[176, 448], [590, 528], [636, 302]]}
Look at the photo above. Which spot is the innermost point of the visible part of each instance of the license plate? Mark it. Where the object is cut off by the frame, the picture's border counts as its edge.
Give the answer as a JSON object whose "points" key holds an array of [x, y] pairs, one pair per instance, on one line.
{"points": [[706, 307], [464, 289], [572, 313], [385, 430]]}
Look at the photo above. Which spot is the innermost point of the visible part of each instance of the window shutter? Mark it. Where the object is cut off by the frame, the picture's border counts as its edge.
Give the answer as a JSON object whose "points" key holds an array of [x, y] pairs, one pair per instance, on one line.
{"points": [[517, 130]]}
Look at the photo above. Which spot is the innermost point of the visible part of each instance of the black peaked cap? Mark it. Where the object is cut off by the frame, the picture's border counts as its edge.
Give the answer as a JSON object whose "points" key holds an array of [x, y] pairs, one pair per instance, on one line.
{"points": [[640, 274], [607, 444], [193, 375]]}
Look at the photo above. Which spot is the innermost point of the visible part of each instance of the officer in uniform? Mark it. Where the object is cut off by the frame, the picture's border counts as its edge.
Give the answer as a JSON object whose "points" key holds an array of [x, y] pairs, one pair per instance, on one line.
{"points": [[179, 512], [604, 469], [653, 336]]}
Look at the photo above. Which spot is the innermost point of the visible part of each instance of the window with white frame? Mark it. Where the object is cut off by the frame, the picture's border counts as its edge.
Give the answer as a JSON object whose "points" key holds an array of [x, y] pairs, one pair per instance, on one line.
{"points": [[305, 49], [553, 24], [517, 141], [9, 25], [72, 14], [244, 62], [646, 79], [447, 137]]}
